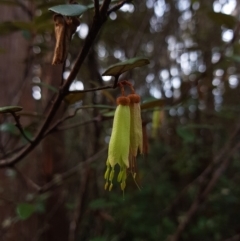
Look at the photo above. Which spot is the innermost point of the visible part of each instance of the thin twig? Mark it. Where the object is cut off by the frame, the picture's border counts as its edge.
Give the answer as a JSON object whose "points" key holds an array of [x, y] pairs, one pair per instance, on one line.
{"points": [[92, 90], [27, 180], [19, 126], [55, 126], [116, 81], [104, 7], [118, 6], [59, 180], [96, 6], [59, 122], [74, 125], [25, 9]]}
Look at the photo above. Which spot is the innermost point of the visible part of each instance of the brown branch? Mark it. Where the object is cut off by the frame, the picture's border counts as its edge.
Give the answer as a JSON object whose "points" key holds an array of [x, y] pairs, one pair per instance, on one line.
{"points": [[70, 126], [25, 9], [19, 126], [92, 89], [55, 126], [57, 123], [27, 180], [63, 90], [104, 7], [204, 194], [96, 6], [118, 6]]}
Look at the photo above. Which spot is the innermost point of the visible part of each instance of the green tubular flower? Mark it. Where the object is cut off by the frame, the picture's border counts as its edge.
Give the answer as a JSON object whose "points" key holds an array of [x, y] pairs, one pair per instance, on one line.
{"points": [[118, 151], [136, 137]]}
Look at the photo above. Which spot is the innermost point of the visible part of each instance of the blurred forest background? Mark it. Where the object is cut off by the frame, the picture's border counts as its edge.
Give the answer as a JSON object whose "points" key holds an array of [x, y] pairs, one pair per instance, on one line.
{"points": [[190, 91]]}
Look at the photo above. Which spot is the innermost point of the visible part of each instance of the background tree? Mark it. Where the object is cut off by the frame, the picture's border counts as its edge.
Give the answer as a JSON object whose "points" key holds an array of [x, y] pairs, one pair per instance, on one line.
{"points": [[53, 160]]}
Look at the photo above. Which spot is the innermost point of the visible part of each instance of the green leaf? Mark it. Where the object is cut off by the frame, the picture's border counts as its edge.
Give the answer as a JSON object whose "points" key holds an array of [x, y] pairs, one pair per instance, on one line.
{"points": [[101, 203], [8, 2], [10, 109], [40, 207], [202, 126], [223, 19], [9, 128], [119, 68], [30, 114], [69, 9], [235, 58], [106, 93], [186, 134], [99, 239], [25, 210], [105, 107], [74, 97], [9, 27], [70, 206], [152, 104], [109, 114]]}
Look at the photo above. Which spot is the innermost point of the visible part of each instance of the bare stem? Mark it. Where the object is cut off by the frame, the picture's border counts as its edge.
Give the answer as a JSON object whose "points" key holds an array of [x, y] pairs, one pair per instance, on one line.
{"points": [[19, 126]]}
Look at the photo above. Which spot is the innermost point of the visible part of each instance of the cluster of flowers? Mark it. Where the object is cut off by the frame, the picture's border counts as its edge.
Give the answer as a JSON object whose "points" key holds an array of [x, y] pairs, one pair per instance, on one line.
{"points": [[126, 138]]}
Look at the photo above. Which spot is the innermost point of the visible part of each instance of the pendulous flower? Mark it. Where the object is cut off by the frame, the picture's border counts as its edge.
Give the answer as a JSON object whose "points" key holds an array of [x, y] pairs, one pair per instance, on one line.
{"points": [[118, 152]]}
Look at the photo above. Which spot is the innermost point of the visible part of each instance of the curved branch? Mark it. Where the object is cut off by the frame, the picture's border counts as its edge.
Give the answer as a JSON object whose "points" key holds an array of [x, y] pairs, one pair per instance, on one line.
{"points": [[95, 28]]}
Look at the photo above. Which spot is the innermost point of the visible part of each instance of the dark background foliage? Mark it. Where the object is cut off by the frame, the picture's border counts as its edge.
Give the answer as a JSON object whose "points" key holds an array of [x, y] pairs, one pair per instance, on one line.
{"points": [[189, 179]]}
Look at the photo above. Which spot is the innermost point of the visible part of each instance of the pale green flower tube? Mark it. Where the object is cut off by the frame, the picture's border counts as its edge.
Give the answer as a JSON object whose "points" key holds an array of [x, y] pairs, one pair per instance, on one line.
{"points": [[119, 143], [118, 152]]}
